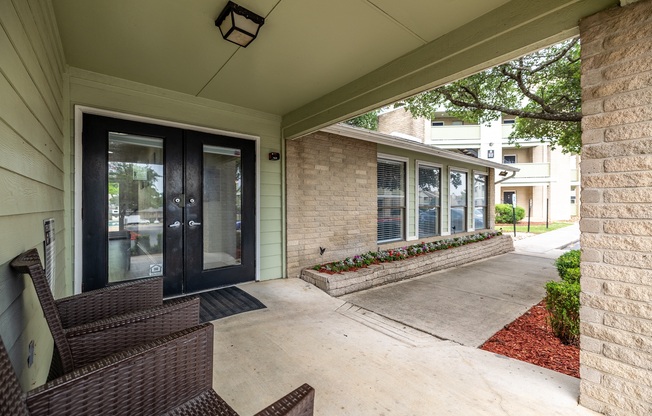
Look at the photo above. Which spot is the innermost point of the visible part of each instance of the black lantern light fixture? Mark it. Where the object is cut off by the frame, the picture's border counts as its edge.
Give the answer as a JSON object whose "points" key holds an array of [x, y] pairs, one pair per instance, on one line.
{"points": [[239, 25]]}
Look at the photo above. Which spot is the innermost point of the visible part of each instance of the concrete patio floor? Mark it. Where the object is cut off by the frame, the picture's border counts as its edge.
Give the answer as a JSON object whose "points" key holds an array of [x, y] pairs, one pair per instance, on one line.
{"points": [[362, 364]]}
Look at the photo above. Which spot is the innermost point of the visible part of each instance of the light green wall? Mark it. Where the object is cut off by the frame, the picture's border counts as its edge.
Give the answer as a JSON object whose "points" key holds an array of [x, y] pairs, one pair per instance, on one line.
{"points": [[32, 161], [446, 164], [108, 93]]}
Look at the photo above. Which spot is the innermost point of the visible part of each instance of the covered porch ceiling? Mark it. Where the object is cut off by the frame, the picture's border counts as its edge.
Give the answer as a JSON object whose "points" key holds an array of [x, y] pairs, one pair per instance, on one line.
{"points": [[314, 62]]}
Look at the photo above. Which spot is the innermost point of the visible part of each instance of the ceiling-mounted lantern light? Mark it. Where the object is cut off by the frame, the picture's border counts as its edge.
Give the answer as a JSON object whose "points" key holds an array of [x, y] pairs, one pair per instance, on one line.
{"points": [[239, 25]]}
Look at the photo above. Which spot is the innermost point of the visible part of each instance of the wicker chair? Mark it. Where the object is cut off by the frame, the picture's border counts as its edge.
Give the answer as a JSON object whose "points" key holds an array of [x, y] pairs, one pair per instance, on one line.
{"points": [[169, 376], [93, 325]]}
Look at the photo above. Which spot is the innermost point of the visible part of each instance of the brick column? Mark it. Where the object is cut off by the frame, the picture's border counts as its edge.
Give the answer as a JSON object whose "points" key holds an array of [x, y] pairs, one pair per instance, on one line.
{"points": [[616, 211]]}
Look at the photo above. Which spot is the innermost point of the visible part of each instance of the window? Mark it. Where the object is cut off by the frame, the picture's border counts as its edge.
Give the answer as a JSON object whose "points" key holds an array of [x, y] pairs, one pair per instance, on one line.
{"points": [[458, 186], [509, 159], [457, 123], [391, 200], [437, 123], [429, 201], [509, 121], [479, 201]]}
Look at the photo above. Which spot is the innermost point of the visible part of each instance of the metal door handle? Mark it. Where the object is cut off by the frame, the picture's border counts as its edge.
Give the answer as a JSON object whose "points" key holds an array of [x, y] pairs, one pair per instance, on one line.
{"points": [[193, 223], [175, 224]]}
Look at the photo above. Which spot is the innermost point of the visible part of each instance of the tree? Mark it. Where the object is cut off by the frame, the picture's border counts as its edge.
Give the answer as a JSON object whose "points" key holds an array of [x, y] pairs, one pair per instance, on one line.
{"points": [[542, 89], [133, 193], [367, 121]]}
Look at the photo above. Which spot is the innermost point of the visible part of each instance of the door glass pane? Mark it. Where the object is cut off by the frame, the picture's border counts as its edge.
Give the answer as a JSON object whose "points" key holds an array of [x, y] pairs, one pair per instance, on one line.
{"points": [[135, 226], [222, 203]]}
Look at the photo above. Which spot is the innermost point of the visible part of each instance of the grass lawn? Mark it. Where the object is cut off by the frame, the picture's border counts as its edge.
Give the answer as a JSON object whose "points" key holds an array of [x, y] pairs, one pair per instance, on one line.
{"points": [[534, 228]]}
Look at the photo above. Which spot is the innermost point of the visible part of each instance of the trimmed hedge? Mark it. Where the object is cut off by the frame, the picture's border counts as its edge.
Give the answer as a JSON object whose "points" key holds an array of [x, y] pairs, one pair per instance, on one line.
{"points": [[505, 214], [563, 304], [563, 298], [567, 261]]}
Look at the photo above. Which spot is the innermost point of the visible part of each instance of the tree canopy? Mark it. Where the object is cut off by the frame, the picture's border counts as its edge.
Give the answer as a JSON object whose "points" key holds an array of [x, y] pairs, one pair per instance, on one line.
{"points": [[541, 89], [367, 121]]}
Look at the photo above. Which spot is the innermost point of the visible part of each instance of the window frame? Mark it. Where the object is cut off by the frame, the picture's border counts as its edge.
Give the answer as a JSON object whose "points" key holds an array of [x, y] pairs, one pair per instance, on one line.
{"points": [[465, 171], [508, 155], [419, 164], [486, 199], [406, 196]]}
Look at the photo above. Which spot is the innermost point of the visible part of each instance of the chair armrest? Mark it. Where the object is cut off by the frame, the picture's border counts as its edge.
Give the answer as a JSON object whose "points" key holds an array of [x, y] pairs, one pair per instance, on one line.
{"points": [[300, 402], [110, 301], [146, 380], [208, 403], [91, 342]]}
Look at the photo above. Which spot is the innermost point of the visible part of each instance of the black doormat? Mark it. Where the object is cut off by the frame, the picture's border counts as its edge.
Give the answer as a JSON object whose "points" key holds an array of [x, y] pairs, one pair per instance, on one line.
{"points": [[224, 302]]}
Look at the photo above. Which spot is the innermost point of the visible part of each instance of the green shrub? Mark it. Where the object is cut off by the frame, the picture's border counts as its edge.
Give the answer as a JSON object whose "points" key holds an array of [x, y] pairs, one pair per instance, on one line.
{"points": [[505, 214], [571, 275], [563, 304], [568, 260]]}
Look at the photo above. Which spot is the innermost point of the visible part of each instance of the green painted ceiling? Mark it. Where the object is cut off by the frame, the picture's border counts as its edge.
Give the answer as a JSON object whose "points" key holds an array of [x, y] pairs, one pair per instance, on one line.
{"points": [[314, 62]]}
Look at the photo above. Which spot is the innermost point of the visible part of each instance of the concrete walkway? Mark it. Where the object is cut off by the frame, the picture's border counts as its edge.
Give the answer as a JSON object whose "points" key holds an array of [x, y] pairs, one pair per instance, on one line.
{"points": [[549, 244], [362, 363], [466, 304]]}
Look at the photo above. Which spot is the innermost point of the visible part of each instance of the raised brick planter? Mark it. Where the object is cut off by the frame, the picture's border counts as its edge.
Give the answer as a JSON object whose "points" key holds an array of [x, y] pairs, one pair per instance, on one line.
{"points": [[379, 274]]}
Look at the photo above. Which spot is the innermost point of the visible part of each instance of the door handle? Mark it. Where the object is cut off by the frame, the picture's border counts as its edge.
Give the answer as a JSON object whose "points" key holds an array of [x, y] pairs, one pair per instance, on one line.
{"points": [[175, 224], [193, 223]]}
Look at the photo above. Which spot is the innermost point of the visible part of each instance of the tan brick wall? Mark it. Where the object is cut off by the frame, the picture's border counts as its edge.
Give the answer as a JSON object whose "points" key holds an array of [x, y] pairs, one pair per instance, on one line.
{"points": [[401, 121], [331, 199], [616, 211]]}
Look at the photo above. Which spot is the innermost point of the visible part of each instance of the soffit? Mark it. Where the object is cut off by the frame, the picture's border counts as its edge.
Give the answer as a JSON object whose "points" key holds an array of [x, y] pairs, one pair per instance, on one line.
{"points": [[313, 59]]}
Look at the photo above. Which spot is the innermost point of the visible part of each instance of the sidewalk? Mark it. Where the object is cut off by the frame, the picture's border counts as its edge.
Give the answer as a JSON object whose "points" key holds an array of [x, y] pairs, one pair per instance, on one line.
{"points": [[549, 244]]}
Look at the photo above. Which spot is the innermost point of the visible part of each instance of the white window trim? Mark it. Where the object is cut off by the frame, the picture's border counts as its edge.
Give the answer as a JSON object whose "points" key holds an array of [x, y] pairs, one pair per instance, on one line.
{"points": [[486, 174], [406, 220], [468, 195], [417, 165]]}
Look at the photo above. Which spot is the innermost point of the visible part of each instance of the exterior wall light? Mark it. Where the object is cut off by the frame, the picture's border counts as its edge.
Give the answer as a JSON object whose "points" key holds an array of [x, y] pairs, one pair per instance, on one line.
{"points": [[239, 25]]}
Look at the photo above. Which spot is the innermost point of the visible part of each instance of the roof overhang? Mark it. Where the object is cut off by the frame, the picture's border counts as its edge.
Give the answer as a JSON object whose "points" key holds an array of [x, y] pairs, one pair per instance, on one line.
{"points": [[400, 143], [314, 63]]}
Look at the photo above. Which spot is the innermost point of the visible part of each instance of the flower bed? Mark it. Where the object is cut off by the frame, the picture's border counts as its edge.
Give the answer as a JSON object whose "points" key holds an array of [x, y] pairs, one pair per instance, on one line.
{"points": [[385, 256], [386, 266]]}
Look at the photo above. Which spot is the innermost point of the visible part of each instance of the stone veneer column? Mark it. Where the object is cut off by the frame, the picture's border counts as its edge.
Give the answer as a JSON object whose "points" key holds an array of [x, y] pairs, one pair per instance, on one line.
{"points": [[616, 212], [331, 199]]}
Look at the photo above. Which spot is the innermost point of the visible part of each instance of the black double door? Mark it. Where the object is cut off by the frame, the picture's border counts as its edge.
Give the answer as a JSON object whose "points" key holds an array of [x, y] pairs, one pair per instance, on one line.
{"points": [[164, 201]]}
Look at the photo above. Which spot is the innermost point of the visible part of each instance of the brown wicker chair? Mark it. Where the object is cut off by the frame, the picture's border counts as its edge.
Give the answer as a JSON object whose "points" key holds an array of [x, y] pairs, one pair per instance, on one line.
{"points": [[95, 324], [169, 376]]}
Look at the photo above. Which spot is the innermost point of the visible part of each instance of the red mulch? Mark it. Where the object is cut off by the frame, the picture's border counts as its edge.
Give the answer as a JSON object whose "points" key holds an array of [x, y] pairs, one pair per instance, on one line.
{"points": [[529, 338]]}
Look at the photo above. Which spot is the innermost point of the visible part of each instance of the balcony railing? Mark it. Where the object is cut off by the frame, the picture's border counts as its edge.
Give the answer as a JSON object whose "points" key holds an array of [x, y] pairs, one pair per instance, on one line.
{"points": [[532, 170], [444, 133], [507, 130], [575, 175]]}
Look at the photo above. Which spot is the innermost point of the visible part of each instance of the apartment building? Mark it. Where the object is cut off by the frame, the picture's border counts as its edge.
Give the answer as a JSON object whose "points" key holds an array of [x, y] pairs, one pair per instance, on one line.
{"points": [[547, 183]]}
